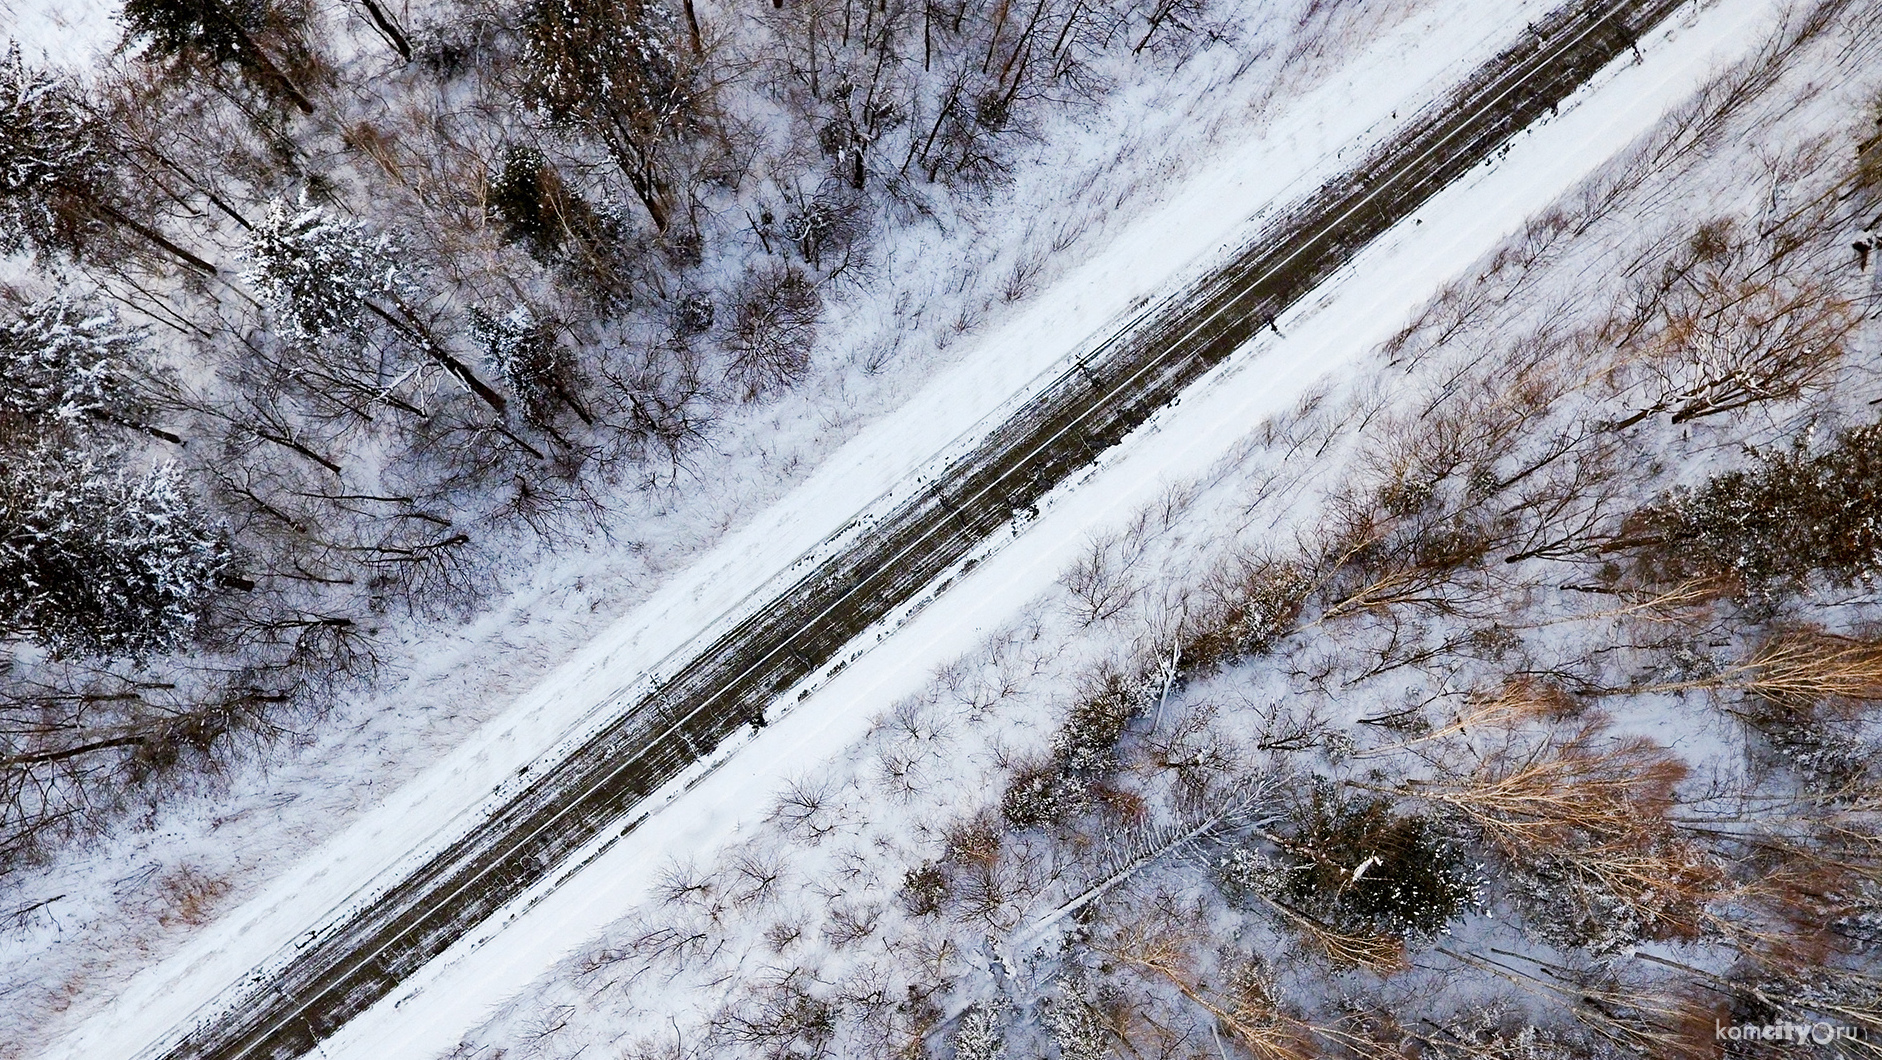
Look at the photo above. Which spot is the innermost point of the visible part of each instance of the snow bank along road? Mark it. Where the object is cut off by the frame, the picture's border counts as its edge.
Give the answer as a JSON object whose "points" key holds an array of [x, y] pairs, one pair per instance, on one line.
{"points": [[1110, 390]]}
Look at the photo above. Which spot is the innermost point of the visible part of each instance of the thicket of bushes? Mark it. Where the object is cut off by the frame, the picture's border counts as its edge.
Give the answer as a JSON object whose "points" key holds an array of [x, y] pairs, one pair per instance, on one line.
{"points": [[1466, 548], [1788, 516]]}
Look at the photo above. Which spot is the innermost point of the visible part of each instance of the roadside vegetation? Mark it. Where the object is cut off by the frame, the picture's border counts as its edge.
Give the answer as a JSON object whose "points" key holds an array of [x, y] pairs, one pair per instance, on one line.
{"points": [[359, 363], [1517, 701], [316, 317]]}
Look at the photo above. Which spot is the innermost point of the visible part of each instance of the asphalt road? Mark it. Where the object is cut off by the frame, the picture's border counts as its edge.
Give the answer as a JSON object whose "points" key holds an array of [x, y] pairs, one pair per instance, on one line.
{"points": [[1110, 392]]}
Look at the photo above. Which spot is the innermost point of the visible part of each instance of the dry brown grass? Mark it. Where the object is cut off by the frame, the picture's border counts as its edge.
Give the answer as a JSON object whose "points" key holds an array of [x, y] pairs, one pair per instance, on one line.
{"points": [[1685, 601], [1373, 951], [1520, 701], [1562, 789], [1601, 805], [1162, 951], [1657, 1018], [1812, 865], [189, 896], [1803, 668], [377, 144], [1795, 671]]}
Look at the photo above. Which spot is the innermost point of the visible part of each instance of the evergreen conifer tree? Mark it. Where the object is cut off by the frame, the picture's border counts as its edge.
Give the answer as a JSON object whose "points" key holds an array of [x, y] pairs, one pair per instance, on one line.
{"points": [[64, 364], [217, 32], [101, 562], [605, 67], [52, 160], [318, 273]]}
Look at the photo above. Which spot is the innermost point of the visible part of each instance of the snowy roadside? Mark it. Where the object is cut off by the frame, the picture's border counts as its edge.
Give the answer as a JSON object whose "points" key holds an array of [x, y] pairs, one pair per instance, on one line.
{"points": [[1299, 145], [1359, 310], [807, 899]]}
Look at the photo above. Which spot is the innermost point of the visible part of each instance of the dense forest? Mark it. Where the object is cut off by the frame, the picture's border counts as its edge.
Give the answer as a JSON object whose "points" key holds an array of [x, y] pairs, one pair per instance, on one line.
{"points": [[314, 314]]}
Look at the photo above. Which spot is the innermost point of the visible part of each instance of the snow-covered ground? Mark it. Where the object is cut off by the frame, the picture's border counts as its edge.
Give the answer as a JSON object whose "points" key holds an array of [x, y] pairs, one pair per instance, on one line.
{"points": [[1361, 308], [1358, 310], [1160, 248], [844, 731], [69, 33], [136, 896]]}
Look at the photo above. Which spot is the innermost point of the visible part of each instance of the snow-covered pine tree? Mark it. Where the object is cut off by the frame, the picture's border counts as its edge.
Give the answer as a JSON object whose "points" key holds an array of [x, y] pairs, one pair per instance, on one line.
{"points": [[52, 159], [64, 363], [102, 562], [1077, 1028], [214, 30], [527, 196], [318, 273], [980, 1037], [1042, 794], [1364, 866], [58, 187], [1791, 514], [527, 358], [322, 275]]}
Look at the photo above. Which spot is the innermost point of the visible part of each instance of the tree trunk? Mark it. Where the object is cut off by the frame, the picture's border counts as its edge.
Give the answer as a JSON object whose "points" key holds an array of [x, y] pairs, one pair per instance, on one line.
{"points": [[260, 61], [393, 34], [444, 358], [692, 27], [154, 237], [652, 194]]}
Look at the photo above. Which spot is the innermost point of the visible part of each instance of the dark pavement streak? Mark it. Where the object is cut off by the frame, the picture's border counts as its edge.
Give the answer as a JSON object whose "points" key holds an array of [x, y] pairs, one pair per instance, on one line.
{"points": [[1111, 391]]}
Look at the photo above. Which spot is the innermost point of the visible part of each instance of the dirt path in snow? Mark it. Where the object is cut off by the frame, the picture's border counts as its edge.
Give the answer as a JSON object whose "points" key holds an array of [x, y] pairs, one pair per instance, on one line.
{"points": [[1108, 393]]}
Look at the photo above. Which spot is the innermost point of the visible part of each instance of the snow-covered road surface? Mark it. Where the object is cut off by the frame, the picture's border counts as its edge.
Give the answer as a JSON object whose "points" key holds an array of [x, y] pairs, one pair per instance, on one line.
{"points": [[1367, 302]]}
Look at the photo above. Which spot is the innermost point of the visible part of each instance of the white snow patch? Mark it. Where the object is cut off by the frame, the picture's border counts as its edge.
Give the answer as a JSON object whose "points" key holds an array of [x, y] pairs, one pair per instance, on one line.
{"points": [[71, 34]]}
